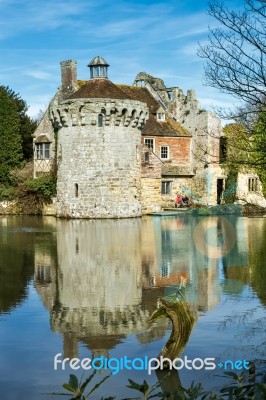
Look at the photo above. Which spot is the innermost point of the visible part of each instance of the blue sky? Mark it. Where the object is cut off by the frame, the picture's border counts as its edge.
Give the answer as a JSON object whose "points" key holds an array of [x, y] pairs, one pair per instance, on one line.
{"points": [[160, 38]]}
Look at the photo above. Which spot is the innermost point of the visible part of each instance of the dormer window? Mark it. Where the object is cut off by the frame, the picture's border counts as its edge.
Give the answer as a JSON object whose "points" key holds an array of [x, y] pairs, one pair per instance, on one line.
{"points": [[42, 151], [160, 116], [42, 148]]}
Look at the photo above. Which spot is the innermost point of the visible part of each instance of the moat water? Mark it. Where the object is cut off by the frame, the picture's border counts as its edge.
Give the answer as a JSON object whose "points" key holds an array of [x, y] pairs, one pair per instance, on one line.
{"points": [[87, 289]]}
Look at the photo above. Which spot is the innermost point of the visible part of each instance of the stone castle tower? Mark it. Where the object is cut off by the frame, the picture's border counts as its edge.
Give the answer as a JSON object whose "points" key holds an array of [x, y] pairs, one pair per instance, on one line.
{"points": [[98, 152]]}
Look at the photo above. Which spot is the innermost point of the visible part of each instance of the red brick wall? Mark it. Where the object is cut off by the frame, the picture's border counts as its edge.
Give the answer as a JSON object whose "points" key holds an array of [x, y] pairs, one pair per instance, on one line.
{"points": [[179, 148]]}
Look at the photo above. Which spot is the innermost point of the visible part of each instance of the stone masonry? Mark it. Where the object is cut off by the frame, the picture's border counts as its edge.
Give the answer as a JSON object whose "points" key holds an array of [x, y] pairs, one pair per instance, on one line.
{"points": [[98, 168]]}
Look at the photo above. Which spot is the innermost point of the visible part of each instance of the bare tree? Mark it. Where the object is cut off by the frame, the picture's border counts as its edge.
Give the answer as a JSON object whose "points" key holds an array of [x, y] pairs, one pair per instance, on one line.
{"points": [[236, 55]]}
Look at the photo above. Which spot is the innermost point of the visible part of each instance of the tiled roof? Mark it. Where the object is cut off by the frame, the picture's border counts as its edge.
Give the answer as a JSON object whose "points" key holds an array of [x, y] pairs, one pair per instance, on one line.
{"points": [[99, 88], [141, 94], [152, 126], [103, 88], [167, 128], [42, 139]]}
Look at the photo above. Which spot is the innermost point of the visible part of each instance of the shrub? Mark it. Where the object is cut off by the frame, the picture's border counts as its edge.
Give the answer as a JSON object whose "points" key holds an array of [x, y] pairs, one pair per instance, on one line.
{"points": [[33, 193], [45, 186], [6, 192]]}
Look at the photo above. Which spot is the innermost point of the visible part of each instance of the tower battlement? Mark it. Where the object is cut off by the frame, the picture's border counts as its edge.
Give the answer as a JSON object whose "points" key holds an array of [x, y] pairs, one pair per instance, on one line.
{"points": [[99, 112]]}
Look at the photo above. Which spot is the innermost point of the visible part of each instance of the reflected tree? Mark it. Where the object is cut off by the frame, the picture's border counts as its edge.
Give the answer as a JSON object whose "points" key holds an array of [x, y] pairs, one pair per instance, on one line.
{"points": [[16, 270]]}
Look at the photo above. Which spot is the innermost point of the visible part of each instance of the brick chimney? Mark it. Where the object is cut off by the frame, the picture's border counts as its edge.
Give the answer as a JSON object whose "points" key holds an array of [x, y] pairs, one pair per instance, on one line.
{"points": [[68, 78]]}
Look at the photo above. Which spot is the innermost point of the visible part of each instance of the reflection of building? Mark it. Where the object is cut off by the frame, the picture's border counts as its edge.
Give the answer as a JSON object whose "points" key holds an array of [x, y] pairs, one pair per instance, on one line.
{"points": [[170, 257], [96, 287], [246, 264], [107, 276]]}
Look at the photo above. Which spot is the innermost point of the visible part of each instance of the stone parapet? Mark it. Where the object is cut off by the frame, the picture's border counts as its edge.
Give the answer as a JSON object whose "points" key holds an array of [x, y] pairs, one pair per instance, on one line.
{"points": [[83, 112]]}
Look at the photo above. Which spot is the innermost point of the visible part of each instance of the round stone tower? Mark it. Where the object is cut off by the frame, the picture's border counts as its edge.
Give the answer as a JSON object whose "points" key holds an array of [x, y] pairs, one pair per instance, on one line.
{"points": [[98, 149]]}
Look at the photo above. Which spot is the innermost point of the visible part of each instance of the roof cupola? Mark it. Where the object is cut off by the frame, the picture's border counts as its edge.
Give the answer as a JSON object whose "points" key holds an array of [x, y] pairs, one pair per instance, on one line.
{"points": [[98, 67]]}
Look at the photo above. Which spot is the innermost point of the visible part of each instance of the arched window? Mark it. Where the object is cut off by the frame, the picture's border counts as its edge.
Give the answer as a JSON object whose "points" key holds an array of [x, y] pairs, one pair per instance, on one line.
{"points": [[76, 190], [100, 120]]}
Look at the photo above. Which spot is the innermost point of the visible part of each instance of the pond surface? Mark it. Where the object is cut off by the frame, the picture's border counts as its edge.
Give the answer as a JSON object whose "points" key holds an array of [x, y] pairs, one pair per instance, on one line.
{"points": [[87, 289]]}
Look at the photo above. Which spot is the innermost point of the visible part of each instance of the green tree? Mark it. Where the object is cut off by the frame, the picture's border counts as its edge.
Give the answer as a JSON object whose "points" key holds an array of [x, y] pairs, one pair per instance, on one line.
{"points": [[16, 129], [259, 146], [11, 153], [26, 125], [245, 150]]}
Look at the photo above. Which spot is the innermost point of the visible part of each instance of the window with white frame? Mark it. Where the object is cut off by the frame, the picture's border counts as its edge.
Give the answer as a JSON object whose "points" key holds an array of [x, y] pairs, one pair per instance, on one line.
{"points": [[161, 116], [164, 152], [150, 143], [166, 187], [42, 151]]}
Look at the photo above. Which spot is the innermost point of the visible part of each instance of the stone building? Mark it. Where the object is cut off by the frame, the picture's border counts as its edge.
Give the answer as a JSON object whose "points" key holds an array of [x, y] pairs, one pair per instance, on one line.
{"points": [[123, 151]]}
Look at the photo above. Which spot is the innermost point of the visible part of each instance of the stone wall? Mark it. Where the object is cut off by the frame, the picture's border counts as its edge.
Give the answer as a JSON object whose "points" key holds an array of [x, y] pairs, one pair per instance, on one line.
{"points": [[204, 184], [151, 198], [151, 170], [179, 185], [9, 208], [99, 168], [204, 126], [246, 193]]}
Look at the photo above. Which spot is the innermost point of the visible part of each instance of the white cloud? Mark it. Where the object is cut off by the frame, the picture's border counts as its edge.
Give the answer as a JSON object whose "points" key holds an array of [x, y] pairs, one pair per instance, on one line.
{"points": [[221, 100], [38, 103], [35, 108], [39, 16], [37, 74], [159, 38]]}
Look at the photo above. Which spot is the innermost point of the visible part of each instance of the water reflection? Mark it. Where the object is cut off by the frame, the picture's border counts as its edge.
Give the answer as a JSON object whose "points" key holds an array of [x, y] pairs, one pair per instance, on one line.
{"points": [[106, 278], [94, 293], [19, 238], [101, 281]]}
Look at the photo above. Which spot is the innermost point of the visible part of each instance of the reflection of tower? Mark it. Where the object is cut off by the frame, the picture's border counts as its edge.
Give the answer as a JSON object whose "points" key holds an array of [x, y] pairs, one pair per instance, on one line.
{"points": [[92, 284], [99, 285]]}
